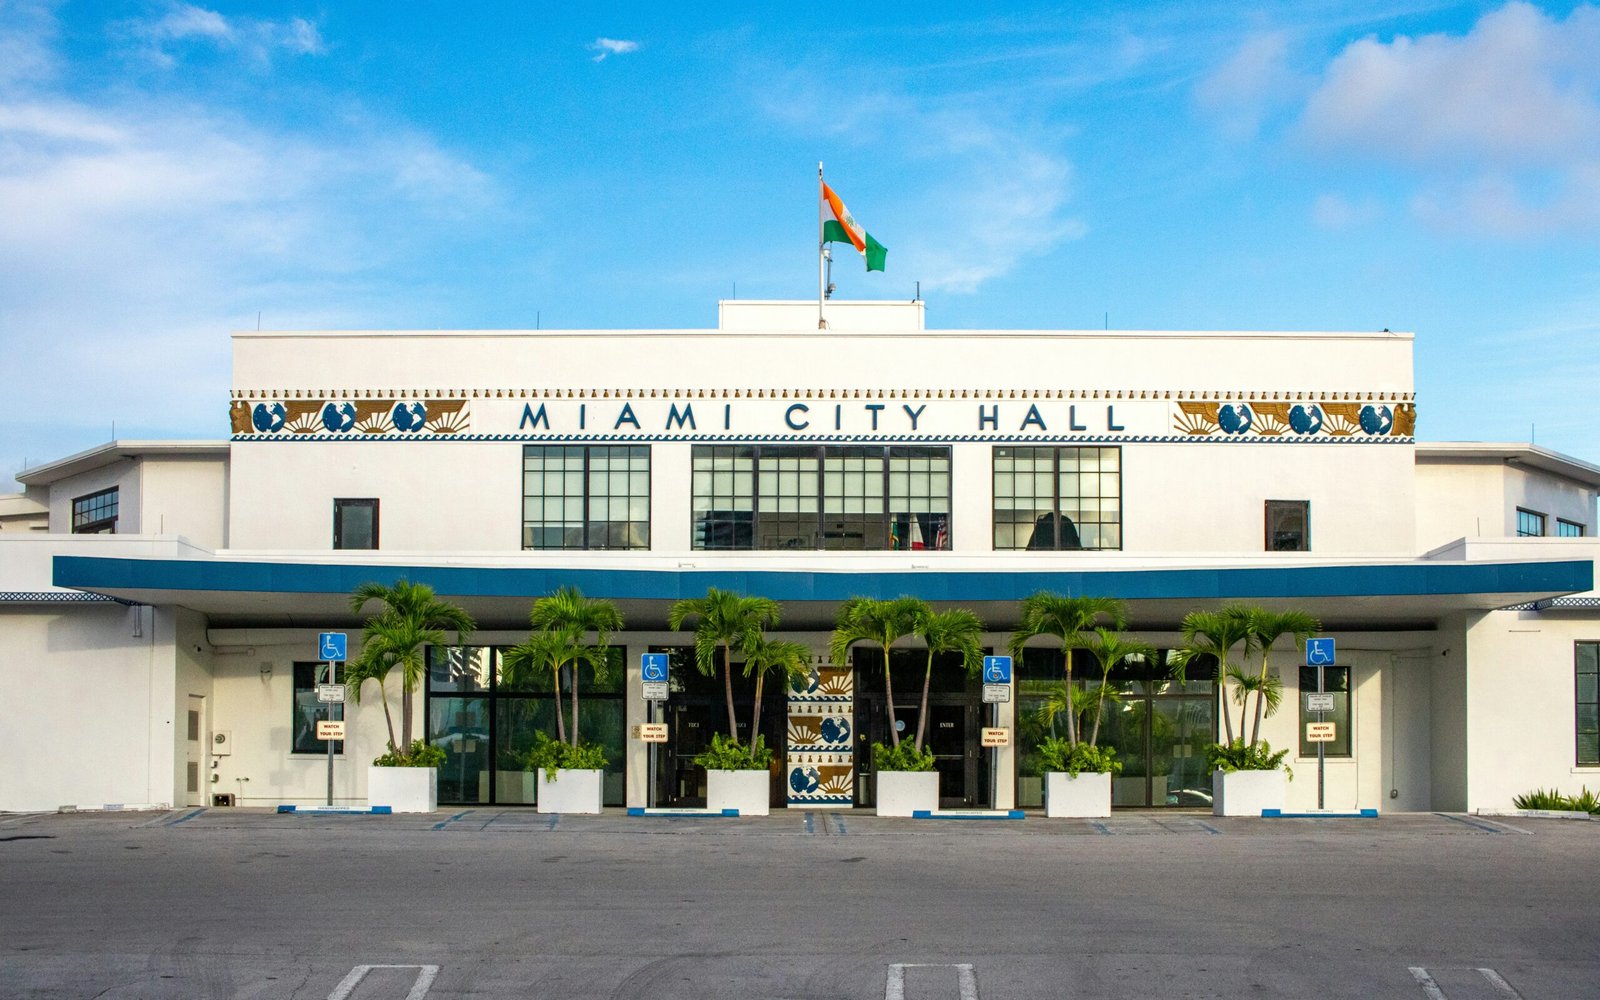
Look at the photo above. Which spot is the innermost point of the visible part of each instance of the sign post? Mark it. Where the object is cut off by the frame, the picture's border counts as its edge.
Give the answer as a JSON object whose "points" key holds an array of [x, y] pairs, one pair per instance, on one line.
{"points": [[653, 677], [331, 649], [1320, 653], [996, 689]]}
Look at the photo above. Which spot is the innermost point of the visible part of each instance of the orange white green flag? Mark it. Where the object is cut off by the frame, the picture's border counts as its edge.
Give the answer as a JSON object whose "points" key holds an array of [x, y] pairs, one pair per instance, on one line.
{"points": [[839, 226]]}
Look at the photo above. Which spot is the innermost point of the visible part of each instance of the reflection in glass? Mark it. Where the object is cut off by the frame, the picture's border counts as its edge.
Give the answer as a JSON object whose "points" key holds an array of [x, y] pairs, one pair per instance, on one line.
{"points": [[458, 669], [460, 727]]}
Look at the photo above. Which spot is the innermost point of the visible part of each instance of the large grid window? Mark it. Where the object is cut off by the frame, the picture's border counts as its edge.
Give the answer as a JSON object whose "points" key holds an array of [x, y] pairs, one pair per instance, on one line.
{"points": [[95, 514], [1568, 529], [1057, 498], [1588, 692], [586, 497], [1530, 524], [854, 498]]}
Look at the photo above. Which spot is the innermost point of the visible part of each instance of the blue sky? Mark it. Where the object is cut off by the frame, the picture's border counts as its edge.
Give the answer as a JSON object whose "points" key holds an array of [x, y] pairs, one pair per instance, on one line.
{"points": [[169, 170]]}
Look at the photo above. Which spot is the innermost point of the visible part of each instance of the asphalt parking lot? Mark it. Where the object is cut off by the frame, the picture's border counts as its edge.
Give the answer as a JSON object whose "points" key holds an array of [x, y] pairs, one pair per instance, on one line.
{"points": [[236, 903]]}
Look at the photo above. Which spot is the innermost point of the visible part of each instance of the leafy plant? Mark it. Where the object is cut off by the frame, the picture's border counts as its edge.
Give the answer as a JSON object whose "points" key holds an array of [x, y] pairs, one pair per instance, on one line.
{"points": [[1057, 754], [1237, 755], [725, 620], [552, 755], [1066, 619], [901, 757], [420, 753], [731, 755], [955, 631], [882, 623], [1554, 801]]}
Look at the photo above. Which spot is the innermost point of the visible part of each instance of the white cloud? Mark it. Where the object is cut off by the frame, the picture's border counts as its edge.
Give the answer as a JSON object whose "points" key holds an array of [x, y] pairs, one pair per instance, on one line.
{"points": [[603, 47], [979, 191], [1501, 125], [1241, 92], [1336, 212], [158, 39]]}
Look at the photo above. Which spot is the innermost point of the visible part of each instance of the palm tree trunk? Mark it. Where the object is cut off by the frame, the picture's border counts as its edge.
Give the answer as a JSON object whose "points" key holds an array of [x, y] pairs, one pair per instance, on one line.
{"points": [[561, 725], [755, 712], [574, 704], [1072, 711], [388, 720], [1222, 693], [405, 717], [1261, 701], [727, 684], [888, 690], [1099, 711], [922, 709]]}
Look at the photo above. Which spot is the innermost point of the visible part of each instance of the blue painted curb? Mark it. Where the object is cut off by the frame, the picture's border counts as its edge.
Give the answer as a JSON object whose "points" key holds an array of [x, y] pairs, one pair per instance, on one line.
{"points": [[642, 811], [338, 810], [1358, 814], [931, 814]]}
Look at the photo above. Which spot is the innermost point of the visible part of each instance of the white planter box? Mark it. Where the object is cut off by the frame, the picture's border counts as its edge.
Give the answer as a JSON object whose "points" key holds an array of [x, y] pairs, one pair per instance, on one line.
{"points": [[1087, 794], [747, 791], [901, 793], [404, 789], [1246, 793], [573, 791]]}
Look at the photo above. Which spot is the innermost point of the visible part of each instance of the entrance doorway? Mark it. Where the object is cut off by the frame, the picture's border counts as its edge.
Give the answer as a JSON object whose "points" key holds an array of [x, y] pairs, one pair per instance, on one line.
{"points": [[194, 746], [955, 714], [697, 708], [1158, 725]]}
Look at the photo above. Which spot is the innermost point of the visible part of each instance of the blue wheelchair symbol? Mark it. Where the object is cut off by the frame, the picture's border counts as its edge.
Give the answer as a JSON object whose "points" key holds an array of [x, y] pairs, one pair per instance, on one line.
{"points": [[1319, 652], [332, 646], [997, 670], [653, 666]]}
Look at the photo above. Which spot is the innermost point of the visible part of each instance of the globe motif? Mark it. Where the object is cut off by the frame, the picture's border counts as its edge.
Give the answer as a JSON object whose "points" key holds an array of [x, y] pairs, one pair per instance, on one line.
{"points": [[1235, 419], [1305, 419], [804, 780], [1376, 419], [835, 729], [268, 420], [410, 416], [338, 417]]}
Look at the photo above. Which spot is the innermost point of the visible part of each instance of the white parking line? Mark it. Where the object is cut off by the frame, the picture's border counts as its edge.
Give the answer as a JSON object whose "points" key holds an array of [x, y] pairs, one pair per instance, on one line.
{"points": [[419, 988], [1433, 992], [894, 986]]}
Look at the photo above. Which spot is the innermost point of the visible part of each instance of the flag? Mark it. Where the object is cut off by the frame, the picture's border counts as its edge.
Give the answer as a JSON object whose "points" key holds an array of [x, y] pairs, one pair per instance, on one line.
{"points": [[916, 533], [839, 226], [941, 536], [894, 534]]}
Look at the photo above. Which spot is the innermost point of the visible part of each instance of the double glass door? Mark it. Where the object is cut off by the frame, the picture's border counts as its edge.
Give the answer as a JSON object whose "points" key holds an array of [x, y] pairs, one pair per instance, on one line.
{"points": [[954, 719], [695, 710]]}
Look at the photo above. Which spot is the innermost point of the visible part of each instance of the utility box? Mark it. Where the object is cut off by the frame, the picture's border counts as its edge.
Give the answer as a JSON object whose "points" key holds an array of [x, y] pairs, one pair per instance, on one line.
{"points": [[221, 743], [222, 799]]}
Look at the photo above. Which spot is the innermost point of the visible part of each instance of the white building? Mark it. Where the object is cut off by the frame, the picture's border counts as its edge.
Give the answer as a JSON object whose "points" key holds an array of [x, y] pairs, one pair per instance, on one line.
{"points": [[160, 600]]}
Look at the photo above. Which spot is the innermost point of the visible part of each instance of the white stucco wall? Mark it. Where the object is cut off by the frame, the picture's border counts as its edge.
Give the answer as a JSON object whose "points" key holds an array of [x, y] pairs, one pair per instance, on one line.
{"points": [[185, 495], [121, 473]]}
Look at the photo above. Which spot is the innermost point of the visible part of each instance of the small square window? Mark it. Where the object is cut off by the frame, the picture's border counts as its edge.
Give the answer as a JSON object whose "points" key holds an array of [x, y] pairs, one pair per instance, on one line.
{"points": [[95, 514], [1568, 529], [1530, 524], [1288, 526], [355, 524]]}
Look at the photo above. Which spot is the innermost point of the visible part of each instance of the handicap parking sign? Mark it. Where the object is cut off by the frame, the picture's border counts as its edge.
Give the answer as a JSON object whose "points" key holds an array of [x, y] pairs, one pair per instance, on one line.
{"points": [[653, 667], [997, 670], [1319, 652], [331, 646]]}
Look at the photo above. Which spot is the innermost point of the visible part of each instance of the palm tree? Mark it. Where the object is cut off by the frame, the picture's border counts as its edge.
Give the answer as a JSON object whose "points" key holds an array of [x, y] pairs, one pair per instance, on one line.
{"points": [[726, 620], [1066, 619], [545, 651], [416, 604], [763, 656], [389, 642], [1214, 634], [955, 631], [572, 616], [1267, 627], [883, 623], [1109, 649]]}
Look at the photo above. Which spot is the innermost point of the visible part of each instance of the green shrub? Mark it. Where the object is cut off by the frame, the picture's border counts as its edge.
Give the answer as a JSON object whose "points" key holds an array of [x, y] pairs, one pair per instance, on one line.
{"points": [[1057, 754], [1241, 756], [1554, 801], [551, 755], [901, 758], [731, 755], [421, 753]]}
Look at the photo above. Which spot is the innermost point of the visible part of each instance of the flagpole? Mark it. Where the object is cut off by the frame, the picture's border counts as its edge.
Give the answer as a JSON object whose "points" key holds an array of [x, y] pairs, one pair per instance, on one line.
{"points": [[822, 279]]}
